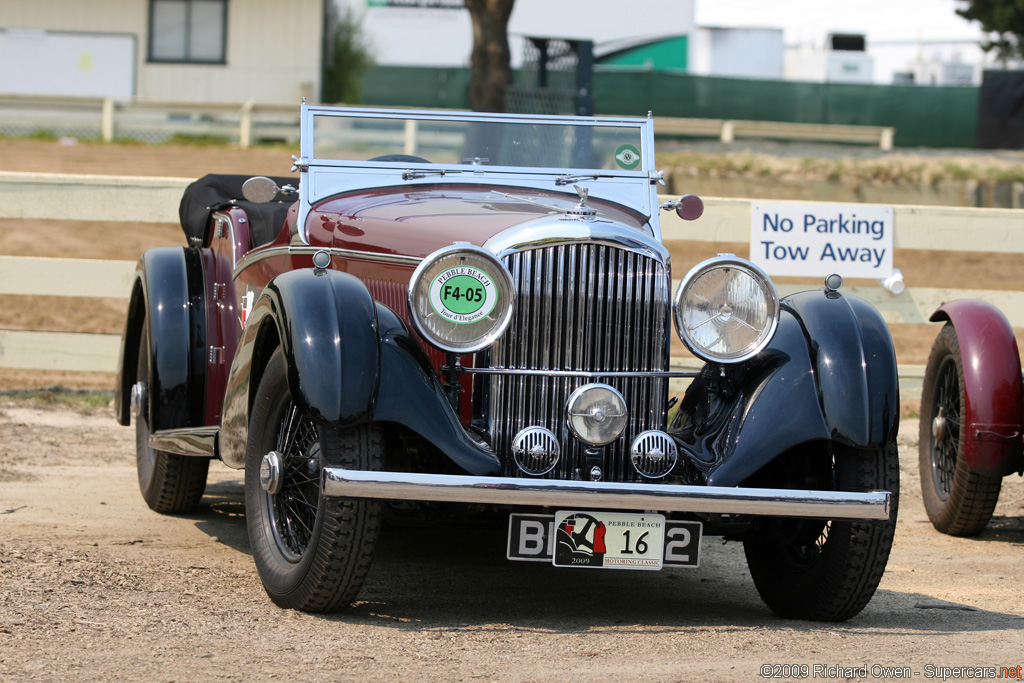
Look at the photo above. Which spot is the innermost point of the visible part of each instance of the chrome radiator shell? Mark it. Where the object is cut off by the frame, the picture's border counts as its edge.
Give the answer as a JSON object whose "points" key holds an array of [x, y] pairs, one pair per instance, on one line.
{"points": [[588, 306]]}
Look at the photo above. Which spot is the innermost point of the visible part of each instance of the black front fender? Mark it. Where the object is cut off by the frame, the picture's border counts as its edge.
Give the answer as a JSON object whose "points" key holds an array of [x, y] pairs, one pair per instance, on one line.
{"points": [[326, 325], [829, 374]]}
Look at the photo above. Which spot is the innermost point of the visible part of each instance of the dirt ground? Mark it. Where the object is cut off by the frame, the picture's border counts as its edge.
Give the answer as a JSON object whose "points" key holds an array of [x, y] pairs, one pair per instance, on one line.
{"points": [[79, 239], [96, 587]]}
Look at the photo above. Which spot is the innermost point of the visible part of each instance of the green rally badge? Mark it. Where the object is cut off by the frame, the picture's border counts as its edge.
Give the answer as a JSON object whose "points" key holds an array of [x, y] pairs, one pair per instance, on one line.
{"points": [[627, 156], [463, 295]]}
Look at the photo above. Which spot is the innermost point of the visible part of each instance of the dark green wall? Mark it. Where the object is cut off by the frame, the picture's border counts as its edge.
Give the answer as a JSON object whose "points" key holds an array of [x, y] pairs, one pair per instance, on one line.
{"points": [[923, 116]]}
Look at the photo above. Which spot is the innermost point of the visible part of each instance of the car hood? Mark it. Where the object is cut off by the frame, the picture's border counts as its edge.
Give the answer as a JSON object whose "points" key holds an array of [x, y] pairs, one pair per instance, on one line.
{"points": [[417, 221]]}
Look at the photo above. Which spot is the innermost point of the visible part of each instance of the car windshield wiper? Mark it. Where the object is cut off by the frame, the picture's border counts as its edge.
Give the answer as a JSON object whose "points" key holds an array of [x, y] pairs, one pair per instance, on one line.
{"points": [[413, 175], [570, 179]]}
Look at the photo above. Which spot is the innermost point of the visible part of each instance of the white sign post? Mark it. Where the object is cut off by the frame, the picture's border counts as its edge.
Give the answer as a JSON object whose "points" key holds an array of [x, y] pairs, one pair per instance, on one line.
{"points": [[817, 239]]}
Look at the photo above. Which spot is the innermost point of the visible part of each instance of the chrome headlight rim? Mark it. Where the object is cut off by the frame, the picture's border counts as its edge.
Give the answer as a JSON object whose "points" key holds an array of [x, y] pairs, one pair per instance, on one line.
{"points": [[448, 258], [771, 300]]}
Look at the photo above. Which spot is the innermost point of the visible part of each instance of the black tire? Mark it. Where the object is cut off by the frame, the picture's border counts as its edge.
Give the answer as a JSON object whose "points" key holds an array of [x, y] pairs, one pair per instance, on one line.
{"points": [[170, 483], [958, 502], [828, 570], [312, 552]]}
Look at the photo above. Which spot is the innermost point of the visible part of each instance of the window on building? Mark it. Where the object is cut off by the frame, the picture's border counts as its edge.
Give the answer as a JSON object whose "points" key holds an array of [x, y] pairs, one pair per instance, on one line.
{"points": [[191, 31]]}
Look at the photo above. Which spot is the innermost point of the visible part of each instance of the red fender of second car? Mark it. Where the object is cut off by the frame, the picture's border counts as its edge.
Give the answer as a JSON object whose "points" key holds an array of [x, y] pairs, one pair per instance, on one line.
{"points": [[994, 395]]}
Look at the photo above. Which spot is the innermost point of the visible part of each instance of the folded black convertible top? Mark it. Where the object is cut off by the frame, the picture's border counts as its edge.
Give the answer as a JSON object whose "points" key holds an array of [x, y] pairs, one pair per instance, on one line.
{"points": [[217, 191]]}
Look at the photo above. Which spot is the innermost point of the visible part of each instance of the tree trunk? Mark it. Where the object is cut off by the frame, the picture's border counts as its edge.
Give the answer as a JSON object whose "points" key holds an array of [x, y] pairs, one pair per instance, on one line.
{"points": [[491, 72]]}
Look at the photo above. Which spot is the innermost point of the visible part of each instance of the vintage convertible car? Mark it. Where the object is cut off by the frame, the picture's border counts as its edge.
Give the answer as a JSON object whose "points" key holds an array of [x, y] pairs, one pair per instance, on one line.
{"points": [[972, 416], [458, 312]]}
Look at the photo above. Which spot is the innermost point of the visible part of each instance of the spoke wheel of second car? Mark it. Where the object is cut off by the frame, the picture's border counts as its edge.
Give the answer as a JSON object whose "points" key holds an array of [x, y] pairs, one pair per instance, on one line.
{"points": [[169, 482], [312, 552], [958, 502]]}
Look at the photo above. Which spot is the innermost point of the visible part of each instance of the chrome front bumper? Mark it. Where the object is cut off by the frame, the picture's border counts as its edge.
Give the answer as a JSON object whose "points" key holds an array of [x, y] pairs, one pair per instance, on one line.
{"points": [[584, 495]]}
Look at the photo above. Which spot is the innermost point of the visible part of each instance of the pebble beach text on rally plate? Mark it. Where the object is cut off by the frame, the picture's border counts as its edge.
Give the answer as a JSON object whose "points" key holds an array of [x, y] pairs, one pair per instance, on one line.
{"points": [[880, 671]]}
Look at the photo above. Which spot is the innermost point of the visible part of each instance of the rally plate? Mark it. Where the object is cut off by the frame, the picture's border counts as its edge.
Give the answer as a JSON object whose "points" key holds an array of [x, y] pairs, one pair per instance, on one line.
{"points": [[533, 538]]}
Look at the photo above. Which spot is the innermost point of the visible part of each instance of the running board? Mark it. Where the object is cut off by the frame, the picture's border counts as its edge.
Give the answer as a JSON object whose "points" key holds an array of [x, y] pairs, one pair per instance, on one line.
{"points": [[200, 442]]}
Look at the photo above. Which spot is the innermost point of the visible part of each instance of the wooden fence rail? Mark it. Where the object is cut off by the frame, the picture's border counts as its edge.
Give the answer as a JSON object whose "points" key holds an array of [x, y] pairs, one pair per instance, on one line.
{"points": [[241, 120], [123, 199]]}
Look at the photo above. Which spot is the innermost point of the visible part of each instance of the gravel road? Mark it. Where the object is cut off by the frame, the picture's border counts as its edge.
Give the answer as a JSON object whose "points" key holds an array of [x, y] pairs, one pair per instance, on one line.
{"points": [[96, 588]]}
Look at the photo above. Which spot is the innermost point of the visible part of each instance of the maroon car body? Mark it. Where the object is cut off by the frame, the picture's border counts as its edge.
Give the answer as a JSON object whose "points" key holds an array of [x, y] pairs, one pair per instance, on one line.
{"points": [[972, 416], [489, 329]]}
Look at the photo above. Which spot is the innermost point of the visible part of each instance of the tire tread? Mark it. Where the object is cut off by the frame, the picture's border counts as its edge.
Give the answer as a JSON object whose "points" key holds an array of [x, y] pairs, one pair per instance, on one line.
{"points": [[851, 564]]}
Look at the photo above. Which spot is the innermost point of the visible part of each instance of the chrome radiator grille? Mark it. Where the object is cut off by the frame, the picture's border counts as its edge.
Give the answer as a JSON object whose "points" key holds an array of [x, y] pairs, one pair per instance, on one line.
{"points": [[581, 307]]}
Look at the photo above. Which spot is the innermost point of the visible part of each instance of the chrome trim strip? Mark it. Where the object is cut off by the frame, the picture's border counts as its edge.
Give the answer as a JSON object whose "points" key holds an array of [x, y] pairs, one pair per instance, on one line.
{"points": [[292, 250], [669, 374], [340, 482], [195, 441], [364, 255], [221, 216]]}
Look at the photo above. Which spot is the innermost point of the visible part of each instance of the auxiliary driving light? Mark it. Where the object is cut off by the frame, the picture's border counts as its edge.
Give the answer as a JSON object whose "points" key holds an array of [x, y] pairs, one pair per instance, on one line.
{"points": [[597, 414]]}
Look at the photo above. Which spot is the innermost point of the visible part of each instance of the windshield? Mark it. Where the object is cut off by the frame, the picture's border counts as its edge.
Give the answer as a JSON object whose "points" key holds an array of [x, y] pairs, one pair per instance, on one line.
{"points": [[536, 144]]}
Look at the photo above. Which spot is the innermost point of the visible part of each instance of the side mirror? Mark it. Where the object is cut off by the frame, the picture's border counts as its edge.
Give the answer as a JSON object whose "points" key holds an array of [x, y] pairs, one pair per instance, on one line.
{"points": [[260, 189], [690, 207]]}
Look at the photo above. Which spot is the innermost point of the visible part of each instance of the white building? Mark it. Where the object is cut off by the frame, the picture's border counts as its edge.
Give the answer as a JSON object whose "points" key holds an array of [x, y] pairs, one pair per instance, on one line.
{"points": [[440, 33], [199, 50], [737, 52], [844, 59]]}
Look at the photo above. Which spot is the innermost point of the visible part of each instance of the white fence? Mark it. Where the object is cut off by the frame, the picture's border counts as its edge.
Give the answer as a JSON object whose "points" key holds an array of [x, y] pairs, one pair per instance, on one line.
{"points": [[248, 122], [122, 199]]}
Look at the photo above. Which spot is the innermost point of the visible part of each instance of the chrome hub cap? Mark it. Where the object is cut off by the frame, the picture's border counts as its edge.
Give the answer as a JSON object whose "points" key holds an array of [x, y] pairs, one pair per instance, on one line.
{"points": [[270, 473], [939, 425], [139, 396]]}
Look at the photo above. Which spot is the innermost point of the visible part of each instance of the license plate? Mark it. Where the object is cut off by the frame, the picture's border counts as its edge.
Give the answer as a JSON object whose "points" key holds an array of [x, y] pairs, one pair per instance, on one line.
{"points": [[534, 538]]}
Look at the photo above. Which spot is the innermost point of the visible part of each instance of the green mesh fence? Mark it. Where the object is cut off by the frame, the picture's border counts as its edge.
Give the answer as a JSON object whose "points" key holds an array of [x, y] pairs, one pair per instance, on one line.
{"points": [[923, 116], [411, 86]]}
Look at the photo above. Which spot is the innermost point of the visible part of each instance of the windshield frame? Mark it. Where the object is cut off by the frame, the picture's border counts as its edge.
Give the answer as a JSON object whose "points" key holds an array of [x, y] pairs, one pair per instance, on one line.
{"points": [[322, 178]]}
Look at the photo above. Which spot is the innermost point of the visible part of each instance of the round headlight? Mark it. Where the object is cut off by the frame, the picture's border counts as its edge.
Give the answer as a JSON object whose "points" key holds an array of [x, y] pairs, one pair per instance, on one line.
{"points": [[460, 299], [726, 309], [597, 414]]}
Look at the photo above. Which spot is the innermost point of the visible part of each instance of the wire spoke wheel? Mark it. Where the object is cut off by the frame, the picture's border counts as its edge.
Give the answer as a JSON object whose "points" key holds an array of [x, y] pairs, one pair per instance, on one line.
{"points": [[946, 428], [958, 501], [293, 510], [312, 552]]}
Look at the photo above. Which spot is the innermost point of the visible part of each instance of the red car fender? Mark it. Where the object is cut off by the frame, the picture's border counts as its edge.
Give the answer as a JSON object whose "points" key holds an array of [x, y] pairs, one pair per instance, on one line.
{"points": [[994, 394]]}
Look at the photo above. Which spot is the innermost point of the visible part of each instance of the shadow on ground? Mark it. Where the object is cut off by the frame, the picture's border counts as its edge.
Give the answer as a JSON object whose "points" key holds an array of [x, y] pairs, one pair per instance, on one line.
{"points": [[455, 576]]}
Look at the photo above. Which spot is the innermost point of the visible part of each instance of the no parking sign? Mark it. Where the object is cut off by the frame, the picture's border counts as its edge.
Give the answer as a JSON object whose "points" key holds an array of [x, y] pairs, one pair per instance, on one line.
{"points": [[816, 239]]}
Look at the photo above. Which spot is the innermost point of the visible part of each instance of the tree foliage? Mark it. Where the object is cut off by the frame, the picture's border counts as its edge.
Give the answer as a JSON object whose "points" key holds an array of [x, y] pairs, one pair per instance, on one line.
{"points": [[1005, 18], [350, 57], [490, 70]]}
